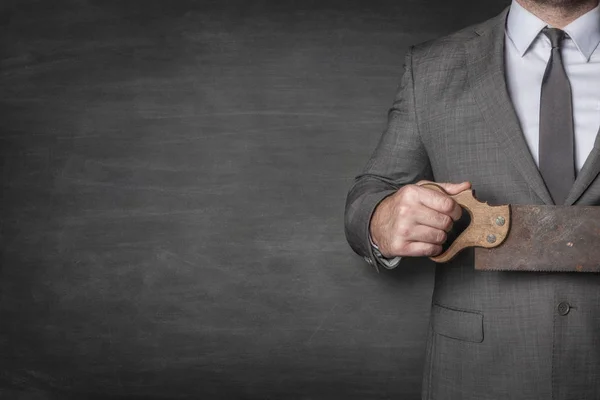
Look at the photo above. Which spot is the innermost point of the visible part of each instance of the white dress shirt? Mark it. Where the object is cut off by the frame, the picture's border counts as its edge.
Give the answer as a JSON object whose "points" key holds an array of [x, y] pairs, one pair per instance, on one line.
{"points": [[527, 52]]}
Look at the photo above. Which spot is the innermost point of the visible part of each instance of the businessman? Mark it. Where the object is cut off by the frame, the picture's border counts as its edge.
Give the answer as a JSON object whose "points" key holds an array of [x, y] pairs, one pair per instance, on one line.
{"points": [[511, 108]]}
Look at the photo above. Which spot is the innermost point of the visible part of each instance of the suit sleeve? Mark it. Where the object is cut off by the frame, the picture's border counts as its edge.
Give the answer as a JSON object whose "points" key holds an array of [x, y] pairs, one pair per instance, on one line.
{"points": [[398, 159]]}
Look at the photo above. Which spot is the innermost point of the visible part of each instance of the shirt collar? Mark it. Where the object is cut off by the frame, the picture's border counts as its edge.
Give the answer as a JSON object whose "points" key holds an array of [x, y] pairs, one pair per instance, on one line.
{"points": [[585, 32], [523, 27]]}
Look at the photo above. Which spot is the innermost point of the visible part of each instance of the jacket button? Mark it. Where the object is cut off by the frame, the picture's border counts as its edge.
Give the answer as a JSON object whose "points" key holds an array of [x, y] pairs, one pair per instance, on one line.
{"points": [[563, 308]]}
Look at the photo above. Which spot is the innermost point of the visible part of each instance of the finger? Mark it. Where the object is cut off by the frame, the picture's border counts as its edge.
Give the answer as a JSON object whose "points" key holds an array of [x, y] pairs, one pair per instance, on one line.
{"points": [[420, 249], [456, 212], [450, 188], [425, 216], [455, 188], [439, 202], [427, 234]]}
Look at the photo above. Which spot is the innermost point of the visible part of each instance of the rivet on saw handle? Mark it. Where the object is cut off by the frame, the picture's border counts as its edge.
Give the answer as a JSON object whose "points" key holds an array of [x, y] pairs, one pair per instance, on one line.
{"points": [[486, 222]]}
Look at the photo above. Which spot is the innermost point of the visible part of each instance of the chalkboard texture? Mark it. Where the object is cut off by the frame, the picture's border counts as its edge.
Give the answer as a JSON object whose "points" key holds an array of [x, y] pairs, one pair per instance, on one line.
{"points": [[173, 182]]}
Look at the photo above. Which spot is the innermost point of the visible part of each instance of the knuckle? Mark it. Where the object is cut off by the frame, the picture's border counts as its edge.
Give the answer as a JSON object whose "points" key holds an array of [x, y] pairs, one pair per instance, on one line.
{"points": [[448, 225], [402, 210], [434, 250], [446, 222], [441, 237], [410, 192], [404, 232], [447, 204]]}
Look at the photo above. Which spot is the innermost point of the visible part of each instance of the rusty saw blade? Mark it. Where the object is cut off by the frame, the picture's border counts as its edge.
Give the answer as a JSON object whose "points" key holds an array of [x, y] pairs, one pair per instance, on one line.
{"points": [[527, 237]]}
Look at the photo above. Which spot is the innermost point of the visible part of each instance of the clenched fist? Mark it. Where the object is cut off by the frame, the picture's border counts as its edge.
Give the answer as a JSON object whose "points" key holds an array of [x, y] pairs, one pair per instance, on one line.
{"points": [[415, 220]]}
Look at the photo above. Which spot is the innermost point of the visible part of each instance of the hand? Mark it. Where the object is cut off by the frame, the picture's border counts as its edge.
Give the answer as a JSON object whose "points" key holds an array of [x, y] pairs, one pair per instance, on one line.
{"points": [[415, 220]]}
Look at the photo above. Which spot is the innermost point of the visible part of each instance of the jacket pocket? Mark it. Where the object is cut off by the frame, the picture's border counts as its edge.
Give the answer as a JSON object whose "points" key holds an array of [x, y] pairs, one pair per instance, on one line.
{"points": [[457, 324]]}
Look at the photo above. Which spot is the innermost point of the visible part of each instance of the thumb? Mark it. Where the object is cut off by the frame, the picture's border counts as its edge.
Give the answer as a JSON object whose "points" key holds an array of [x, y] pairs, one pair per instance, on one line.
{"points": [[455, 188]]}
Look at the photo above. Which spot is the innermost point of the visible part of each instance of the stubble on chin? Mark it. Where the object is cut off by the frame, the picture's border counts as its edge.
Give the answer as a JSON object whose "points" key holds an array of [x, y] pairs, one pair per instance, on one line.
{"points": [[564, 4]]}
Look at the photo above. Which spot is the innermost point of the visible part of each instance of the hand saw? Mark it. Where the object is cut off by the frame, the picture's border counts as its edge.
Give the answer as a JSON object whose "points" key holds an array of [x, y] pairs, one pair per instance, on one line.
{"points": [[527, 237]]}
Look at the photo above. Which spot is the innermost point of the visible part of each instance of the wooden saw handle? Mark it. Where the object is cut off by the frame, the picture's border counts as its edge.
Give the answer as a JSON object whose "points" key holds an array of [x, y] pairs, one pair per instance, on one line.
{"points": [[488, 228]]}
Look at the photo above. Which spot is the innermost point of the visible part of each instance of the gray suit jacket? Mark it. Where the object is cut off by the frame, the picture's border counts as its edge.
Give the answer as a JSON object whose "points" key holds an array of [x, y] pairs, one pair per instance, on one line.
{"points": [[492, 335]]}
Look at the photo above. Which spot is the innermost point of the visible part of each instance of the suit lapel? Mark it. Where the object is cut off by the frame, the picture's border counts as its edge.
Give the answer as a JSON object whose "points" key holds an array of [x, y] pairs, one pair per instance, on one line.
{"points": [[588, 173], [485, 70]]}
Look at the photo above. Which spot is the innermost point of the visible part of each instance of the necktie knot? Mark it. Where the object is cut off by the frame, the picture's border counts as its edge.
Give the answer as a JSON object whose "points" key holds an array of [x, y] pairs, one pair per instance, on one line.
{"points": [[555, 35]]}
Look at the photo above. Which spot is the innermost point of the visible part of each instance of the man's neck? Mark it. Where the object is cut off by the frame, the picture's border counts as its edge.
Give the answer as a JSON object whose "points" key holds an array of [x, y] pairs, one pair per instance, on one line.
{"points": [[558, 14]]}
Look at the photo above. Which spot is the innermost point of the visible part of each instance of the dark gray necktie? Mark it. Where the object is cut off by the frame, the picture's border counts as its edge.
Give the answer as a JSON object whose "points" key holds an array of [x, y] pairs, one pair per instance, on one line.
{"points": [[556, 153]]}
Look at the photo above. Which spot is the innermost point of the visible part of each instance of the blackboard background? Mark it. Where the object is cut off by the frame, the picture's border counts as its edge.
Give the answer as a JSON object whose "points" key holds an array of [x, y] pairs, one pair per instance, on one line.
{"points": [[173, 181]]}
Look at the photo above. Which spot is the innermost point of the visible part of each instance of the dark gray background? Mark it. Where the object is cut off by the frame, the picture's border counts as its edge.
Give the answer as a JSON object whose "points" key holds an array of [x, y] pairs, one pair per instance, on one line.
{"points": [[173, 183]]}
